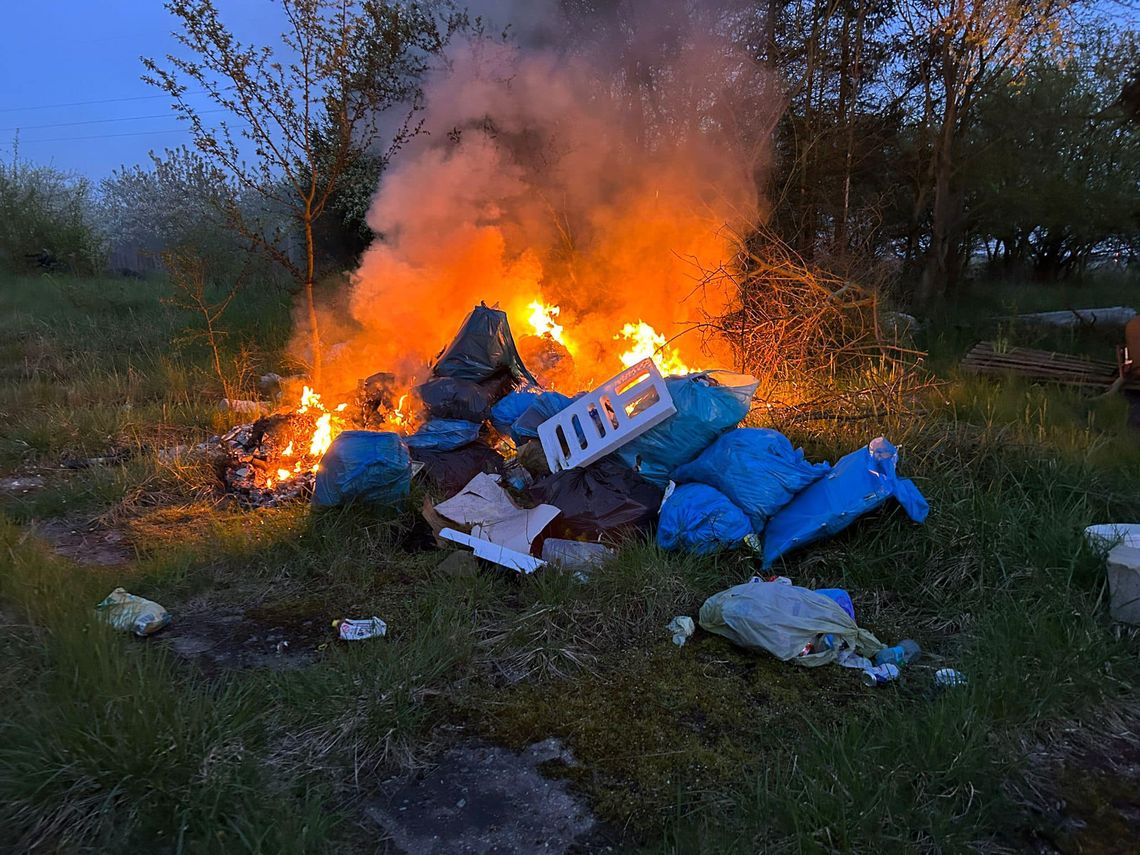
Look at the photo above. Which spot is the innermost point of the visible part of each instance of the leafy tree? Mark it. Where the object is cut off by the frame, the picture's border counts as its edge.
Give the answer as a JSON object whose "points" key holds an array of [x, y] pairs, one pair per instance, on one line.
{"points": [[45, 219], [1053, 160], [307, 106]]}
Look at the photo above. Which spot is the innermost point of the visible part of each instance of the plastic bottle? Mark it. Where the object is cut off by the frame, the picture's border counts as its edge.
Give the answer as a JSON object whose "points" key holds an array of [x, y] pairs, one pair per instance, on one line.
{"points": [[904, 652]]}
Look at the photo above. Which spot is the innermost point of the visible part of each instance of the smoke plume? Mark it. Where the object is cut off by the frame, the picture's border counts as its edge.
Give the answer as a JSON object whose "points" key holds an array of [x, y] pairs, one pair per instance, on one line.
{"points": [[597, 175]]}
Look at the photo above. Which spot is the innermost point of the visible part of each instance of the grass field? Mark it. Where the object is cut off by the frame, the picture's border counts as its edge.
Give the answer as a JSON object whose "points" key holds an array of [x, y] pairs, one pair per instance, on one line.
{"points": [[109, 743]]}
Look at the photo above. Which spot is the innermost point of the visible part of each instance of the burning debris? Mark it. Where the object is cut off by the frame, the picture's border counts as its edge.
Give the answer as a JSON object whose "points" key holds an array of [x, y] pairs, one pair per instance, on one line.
{"points": [[275, 459]]}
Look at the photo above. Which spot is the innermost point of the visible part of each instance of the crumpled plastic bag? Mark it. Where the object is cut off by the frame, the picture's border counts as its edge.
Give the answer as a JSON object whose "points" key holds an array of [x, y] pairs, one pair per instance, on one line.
{"points": [[756, 468], [783, 619], [603, 498], [860, 482], [708, 404], [363, 465], [681, 628], [130, 613], [482, 347], [444, 434], [697, 518], [448, 471]]}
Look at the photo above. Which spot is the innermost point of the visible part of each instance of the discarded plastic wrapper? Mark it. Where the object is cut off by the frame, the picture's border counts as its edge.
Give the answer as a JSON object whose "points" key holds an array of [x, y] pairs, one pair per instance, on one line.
{"points": [[486, 507], [494, 553], [681, 627], [949, 677], [879, 674], [350, 629], [129, 613], [599, 422], [575, 554]]}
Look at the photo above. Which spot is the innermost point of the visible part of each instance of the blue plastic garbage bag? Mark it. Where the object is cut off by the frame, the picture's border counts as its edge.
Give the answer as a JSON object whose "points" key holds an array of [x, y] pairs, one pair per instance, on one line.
{"points": [[699, 519], [708, 404], [512, 405], [363, 465], [840, 596], [541, 408], [444, 434], [756, 468], [860, 482]]}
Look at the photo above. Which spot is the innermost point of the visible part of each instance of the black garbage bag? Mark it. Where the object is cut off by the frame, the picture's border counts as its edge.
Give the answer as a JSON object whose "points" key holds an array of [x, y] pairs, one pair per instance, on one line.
{"points": [[449, 471], [482, 347], [451, 398], [454, 398], [604, 498]]}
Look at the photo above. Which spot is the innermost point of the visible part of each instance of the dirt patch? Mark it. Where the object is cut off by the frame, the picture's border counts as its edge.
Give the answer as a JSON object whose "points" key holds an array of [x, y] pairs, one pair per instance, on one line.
{"points": [[220, 639], [484, 799], [86, 543]]}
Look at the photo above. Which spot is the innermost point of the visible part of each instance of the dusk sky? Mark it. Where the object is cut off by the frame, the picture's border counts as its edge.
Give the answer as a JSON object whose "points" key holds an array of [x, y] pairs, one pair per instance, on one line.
{"points": [[69, 79]]}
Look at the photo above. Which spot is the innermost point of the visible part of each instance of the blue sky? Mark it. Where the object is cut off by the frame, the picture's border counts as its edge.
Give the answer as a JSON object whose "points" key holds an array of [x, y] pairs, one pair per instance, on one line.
{"points": [[69, 79]]}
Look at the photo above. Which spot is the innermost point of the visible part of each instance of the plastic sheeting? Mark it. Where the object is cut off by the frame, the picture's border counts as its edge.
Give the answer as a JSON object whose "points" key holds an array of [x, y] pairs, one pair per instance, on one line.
{"points": [[782, 619], [603, 498], [700, 519], [756, 468], [444, 434], [363, 465], [708, 404], [860, 482], [482, 347]]}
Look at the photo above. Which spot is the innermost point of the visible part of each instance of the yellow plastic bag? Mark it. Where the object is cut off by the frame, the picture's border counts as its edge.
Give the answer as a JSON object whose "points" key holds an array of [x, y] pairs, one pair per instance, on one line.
{"points": [[128, 613]]}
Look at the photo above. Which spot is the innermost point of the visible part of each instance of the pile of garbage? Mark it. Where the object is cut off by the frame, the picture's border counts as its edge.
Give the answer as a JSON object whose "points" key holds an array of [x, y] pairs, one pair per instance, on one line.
{"points": [[640, 453]]}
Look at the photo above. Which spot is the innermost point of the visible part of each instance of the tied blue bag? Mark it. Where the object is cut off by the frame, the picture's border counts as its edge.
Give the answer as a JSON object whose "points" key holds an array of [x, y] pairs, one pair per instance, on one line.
{"points": [[757, 468], [363, 465], [708, 404], [510, 407], [699, 519], [541, 408], [860, 482], [443, 435]]}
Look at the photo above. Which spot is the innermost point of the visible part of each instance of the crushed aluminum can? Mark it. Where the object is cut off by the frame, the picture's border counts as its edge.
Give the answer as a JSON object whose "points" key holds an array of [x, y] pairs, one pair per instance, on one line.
{"points": [[880, 674], [350, 629], [949, 677]]}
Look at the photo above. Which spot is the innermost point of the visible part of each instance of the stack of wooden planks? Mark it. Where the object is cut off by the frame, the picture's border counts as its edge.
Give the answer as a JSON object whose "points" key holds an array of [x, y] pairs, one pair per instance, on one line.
{"points": [[1043, 365]]}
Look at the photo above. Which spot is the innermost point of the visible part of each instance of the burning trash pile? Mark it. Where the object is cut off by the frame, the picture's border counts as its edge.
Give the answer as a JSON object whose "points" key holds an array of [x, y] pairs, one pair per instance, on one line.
{"points": [[641, 452], [533, 477]]}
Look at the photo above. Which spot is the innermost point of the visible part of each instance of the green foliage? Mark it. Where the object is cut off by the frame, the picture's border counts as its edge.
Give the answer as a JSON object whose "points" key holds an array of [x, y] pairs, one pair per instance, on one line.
{"points": [[1051, 164], [45, 220]]}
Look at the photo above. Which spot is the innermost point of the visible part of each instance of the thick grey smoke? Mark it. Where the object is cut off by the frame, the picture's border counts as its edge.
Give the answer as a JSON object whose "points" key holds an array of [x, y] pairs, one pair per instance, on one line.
{"points": [[591, 175]]}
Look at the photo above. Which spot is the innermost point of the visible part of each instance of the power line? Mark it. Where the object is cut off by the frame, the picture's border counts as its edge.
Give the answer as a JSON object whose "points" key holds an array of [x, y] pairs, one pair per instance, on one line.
{"points": [[85, 103], [101, 121], [107, 136]]}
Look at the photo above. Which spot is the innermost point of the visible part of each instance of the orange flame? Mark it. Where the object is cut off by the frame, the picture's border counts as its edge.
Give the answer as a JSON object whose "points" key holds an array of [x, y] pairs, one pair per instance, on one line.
{"points": [[647, 342], [542, 320]]}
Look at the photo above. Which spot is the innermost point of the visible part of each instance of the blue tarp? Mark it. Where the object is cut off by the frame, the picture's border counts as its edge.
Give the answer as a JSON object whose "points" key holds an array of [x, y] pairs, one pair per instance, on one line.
{"points": [[363, 465], [699, 519], [444, 434], [708, 404], [756, 468], [860, 482]]}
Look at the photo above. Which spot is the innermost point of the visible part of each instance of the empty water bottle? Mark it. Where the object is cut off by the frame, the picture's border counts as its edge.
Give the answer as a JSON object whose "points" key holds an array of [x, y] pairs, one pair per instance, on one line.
{"points": [[902, 653]]}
